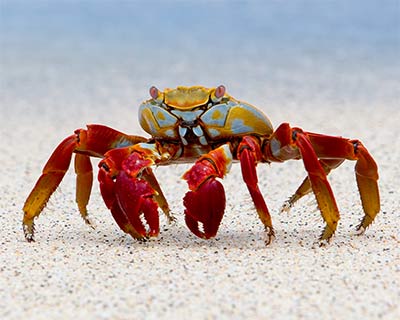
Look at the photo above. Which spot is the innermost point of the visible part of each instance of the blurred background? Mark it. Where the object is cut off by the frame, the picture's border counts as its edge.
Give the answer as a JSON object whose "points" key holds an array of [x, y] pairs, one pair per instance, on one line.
{"points": [[94, 56]]}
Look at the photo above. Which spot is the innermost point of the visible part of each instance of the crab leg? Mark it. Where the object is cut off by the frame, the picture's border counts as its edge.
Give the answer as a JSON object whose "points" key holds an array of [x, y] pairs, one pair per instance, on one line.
{"points": [[205, 202], [249, 153], [292, 143], [333, 151], [159, 195], [94, 141], [84, 182], [53, 173], [305, 187]]}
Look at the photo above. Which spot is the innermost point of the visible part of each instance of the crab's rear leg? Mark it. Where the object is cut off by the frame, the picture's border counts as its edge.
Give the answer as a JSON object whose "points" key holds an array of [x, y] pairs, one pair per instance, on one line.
{"points": [[205, 202], [305, 188], [292, 143], [249, 154], [94, 141], [333, 151]]}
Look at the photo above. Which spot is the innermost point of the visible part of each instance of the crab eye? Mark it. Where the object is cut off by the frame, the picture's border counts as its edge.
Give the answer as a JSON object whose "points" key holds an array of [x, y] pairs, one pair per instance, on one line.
{"points": [[154, 92], [220, 91]]}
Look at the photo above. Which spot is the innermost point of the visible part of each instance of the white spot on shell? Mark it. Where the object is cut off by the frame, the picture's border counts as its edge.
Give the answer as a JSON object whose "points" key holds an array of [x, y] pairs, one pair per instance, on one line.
{"points": [[198, 131]]}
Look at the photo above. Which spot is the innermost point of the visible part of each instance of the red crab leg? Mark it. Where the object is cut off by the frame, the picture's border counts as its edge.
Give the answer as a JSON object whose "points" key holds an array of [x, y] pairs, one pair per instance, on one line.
{"points": [[305, 187], [159, 195], [287, 143], [84, 182], [53, 173], [328, 148], [205, 203], [94, 141], [249, 154]]}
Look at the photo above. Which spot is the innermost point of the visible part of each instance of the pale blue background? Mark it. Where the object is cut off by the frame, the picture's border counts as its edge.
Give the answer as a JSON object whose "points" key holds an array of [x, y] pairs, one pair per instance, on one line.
{"points": [[311, 52]]}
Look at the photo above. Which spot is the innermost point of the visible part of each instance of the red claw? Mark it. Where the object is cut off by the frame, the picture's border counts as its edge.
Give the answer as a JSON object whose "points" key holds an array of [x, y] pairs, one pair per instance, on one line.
{"points": [[205, 205], [134, 196], [199, 173], [129, 197], [106, 188], [108, 193]]}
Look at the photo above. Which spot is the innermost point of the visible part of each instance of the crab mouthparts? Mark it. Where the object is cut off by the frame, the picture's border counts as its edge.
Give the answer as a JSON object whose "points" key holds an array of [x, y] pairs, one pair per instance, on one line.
{"points": [[190, 132]]}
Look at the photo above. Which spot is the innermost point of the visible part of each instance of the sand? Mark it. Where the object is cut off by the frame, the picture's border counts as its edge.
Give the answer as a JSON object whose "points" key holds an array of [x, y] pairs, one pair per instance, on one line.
{"points": [[73, 271]]}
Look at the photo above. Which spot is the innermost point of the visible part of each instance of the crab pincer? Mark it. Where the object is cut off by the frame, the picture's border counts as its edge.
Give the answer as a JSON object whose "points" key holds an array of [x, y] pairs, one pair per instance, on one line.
{"points": [[205, 203], [127, 193], [205, 207]]}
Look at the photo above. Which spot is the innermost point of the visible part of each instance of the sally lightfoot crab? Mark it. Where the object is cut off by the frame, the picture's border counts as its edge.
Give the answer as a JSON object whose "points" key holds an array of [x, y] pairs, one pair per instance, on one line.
{"points": [[212, 129]]}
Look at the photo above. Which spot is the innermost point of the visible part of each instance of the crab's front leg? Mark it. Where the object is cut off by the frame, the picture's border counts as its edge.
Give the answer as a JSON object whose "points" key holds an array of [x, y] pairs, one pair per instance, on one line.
{"points": [[249, 154], [305, 188], [205, 202], [131, 191]]}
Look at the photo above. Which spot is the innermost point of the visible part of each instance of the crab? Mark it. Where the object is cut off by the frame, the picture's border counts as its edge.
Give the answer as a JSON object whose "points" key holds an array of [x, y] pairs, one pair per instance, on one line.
{"points": [[207, 127]]}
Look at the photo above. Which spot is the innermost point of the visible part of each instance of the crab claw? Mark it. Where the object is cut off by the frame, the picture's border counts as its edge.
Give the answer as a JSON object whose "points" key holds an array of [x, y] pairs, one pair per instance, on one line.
{"points": [[129, 196], [135, 198], [206, 205]]}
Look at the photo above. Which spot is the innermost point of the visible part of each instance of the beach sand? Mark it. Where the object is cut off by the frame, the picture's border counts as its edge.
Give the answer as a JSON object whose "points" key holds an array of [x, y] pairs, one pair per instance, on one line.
{"points": [[72, 271]]}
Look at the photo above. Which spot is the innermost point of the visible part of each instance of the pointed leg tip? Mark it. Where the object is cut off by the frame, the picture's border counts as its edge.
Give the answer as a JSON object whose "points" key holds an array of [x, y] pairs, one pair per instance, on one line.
{"points": [[29, 238], [365, 223], [360, 230], [86, 217], [287, 205], [29, 231], [171, 219], [90, 222], [325, 241], [269, 236]]}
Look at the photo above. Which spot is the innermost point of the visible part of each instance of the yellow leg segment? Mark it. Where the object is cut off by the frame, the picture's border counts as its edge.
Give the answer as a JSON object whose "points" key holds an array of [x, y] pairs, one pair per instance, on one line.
{"points": [[84, 182], [53, 173]]}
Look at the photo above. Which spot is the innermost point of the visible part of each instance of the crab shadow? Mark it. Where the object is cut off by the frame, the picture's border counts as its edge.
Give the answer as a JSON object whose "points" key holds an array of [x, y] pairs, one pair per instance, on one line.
{"points": [[179, 237]]}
